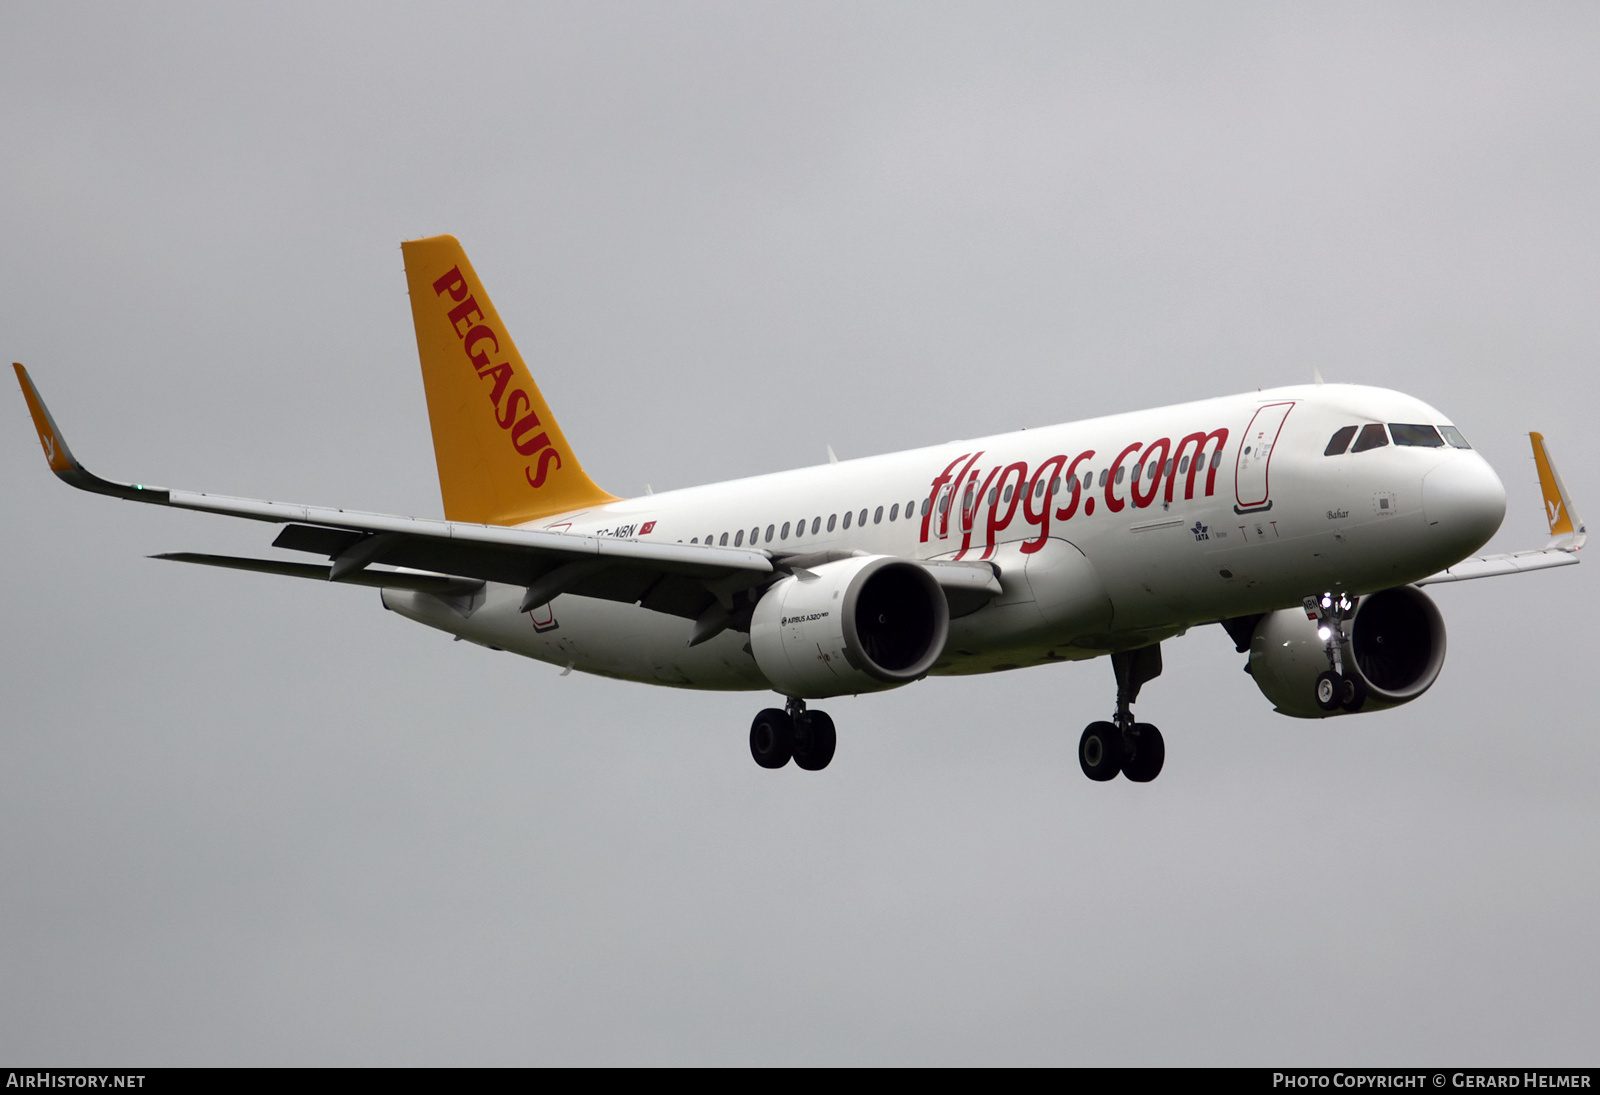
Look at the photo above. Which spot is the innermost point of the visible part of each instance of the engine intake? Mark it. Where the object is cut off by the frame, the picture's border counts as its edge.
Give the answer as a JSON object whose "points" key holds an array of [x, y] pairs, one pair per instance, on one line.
{"points": [[1396, 650], [857, 625]]}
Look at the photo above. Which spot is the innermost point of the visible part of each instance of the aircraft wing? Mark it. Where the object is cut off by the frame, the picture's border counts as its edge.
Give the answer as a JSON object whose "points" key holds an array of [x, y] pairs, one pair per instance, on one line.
{"points": [[1516, 562], [1567, 532], [682, 579]]}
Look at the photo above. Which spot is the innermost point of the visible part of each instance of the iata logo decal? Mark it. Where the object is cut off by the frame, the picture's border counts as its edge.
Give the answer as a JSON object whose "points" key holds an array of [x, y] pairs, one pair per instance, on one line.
{"points": [[1201, 532], [513, 410]]}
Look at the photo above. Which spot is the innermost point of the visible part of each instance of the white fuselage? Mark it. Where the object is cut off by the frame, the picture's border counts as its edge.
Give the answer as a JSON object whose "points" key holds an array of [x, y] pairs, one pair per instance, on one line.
{"points": [[1235, 510]]}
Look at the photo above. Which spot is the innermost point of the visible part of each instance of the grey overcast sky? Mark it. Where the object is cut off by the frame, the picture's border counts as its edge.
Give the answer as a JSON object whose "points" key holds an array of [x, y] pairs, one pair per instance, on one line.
{"points": [[251, 820]]}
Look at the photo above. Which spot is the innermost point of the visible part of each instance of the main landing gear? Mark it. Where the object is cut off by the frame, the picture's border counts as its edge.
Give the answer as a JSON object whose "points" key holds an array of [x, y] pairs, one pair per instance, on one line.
{"points": [[1134, 749], [1336, 689], [806, 736]]}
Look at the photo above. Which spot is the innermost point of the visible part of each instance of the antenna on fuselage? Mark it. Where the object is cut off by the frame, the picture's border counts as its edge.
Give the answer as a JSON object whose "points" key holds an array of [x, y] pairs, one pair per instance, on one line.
{"points": [[1316, 376]]}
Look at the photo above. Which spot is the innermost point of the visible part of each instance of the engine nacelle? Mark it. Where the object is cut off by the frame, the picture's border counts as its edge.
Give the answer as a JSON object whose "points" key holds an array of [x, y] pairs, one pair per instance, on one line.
{"points": [[856, 625], [1396, 650]]}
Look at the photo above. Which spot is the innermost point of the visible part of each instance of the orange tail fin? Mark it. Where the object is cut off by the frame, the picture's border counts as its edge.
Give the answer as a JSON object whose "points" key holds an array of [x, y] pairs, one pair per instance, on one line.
{"points": [[502, 458]]}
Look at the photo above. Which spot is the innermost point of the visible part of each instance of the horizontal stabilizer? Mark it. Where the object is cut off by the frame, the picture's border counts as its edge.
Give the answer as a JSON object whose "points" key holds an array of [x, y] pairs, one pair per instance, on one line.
{"points": [[440, 584]]}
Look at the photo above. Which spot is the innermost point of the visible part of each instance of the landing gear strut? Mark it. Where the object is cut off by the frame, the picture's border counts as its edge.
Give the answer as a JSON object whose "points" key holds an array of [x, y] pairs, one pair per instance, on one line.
{"points": [[1335, 688], [1135, 749], [807, 737]]}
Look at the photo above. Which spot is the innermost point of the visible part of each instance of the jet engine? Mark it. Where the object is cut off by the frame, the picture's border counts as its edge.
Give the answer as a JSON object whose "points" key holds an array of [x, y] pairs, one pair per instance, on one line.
{"points": [[1395, 651], [857, 625]]}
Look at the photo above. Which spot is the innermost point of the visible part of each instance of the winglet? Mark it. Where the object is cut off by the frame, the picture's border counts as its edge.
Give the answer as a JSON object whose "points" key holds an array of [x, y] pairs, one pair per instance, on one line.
{"points": [[1566, 527], [60, 458]]}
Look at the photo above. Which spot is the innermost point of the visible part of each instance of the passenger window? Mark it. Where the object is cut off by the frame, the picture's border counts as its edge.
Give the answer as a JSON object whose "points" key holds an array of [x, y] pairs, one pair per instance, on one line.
{"points": [[847, 516], [784, 535], [738, 538], [1421, 436], [755, 534], [1055, 486], [877, 518], [1167, 471], [1103, 473], [1216, 460], [1008, 494], [831, 516], [1340, 441], [816, 525], [1137, 469], [1119, 475], [1372, 437], [894, 512], [862, 519], [994, 495], [694, 540], [724, 541], [925, 507], [1088, 480], [1453, 435], [1183, 465], [770, 530]]}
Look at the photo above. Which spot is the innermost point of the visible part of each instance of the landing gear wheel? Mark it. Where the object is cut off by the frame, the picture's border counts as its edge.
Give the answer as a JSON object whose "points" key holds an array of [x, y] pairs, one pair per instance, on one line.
{"points": [[1149, 752], [814, 740], [1330, 687], [772, 738], [1100, 751], [1352, 694]]}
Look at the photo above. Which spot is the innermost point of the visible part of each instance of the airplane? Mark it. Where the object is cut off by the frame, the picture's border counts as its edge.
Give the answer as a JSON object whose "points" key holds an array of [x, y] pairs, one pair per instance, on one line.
{"points": [[1304, 520]]}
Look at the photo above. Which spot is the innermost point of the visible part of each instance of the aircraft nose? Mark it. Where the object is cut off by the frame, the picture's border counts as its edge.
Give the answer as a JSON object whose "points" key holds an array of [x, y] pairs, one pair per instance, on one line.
{"points": [[1463, 499]]}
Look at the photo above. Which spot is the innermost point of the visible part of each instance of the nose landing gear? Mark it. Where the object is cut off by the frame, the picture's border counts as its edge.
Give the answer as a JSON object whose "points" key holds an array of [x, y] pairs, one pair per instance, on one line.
{"points": [[806, 737], [1134, 749], [1335, 689]]}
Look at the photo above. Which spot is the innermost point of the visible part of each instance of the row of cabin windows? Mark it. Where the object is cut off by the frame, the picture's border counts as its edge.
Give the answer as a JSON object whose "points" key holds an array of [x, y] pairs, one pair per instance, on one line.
{"points": [[782, 532], [799, 527], [1372, 436]]}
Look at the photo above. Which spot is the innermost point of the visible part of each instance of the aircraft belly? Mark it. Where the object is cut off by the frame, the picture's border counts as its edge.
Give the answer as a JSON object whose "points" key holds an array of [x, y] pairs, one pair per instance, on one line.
{"points": [[607, 638]]}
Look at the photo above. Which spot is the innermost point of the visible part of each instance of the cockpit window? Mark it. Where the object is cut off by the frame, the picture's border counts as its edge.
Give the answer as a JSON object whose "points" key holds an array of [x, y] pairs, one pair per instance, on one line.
{"points": [[1340, 441], [1372, 437], [1453, 435], [1424, 436]]}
